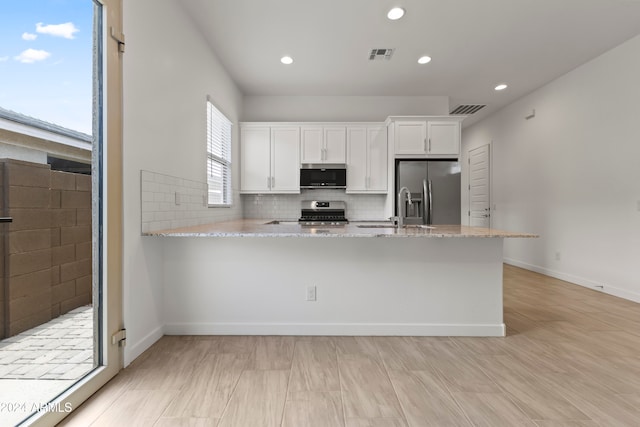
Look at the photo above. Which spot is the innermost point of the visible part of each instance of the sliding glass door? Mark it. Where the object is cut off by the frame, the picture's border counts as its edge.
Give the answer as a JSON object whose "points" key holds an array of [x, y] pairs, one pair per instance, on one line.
{"points": [[61, 206]]}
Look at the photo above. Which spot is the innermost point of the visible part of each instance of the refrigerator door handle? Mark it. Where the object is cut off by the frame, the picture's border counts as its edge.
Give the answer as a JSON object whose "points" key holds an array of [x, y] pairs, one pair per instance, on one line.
{"points": [[425, 201], [430, 190]]}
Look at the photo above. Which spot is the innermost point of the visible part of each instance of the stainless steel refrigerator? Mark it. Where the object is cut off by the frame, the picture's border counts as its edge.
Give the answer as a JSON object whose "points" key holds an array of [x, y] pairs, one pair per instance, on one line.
{"points": [[435, 190]]}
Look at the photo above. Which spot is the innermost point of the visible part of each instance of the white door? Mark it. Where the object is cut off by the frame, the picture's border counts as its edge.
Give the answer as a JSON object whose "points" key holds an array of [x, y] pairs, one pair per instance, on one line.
{"points": [[444, 138], [255, 159], [411, 137], [378, 165], [356, 159], [285, 159], [479, 173], [311, 145], [335, 145]]}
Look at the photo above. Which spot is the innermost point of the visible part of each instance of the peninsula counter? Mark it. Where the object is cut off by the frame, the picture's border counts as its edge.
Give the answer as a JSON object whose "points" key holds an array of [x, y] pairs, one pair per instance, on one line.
{"points": [[249, 277]]}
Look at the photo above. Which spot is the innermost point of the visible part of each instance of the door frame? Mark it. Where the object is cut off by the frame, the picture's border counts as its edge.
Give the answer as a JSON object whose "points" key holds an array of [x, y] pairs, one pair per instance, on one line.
{"points": [[107, 257]]}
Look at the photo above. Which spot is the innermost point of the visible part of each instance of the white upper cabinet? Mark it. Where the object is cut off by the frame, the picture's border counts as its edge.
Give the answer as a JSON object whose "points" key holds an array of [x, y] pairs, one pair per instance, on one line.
{"points": [[255, 159], [323, 144], [378, 159], [443, 137], [411, 137], [269, 159], [285, 158], [436, 137], [367, 166]]}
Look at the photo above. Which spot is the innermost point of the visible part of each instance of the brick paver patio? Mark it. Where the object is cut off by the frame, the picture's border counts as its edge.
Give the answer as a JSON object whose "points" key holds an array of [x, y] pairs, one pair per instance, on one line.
{"points": [[61, 349]]}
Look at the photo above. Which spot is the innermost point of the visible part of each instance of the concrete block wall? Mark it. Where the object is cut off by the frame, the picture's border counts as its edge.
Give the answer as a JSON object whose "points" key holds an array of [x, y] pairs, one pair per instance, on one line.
{"points": [[46, 267], [70, 241]]}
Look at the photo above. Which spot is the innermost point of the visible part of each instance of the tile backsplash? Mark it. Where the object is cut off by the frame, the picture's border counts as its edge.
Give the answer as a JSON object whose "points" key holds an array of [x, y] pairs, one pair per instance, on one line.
{"points": [[287, 206], [172, 202]]}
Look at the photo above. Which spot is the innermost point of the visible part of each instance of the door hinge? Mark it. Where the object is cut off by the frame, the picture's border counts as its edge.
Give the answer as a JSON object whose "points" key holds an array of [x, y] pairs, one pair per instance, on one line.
{"points": [[120, 338], [119, 37]]}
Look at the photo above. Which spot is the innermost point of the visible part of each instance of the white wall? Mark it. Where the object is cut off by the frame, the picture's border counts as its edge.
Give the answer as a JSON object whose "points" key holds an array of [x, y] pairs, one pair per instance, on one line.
{"points": [[9, 151], [168, 72], [340, 108], [572, 174]]}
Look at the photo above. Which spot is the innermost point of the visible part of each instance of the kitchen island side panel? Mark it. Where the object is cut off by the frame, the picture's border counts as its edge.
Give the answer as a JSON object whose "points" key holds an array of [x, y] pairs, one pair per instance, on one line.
{"points": [[257, 286]]}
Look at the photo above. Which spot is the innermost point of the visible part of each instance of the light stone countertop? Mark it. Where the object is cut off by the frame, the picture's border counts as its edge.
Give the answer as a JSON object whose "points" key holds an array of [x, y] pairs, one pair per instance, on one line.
{"points": [[262, 228]]}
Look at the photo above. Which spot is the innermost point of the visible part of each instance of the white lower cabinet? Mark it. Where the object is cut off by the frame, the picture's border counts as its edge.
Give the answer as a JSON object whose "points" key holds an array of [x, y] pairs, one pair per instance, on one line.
{"points": [[367, 165], [270, 159]]}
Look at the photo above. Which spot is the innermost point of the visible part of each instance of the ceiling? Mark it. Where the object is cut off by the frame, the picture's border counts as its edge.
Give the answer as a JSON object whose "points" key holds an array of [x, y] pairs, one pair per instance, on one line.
{"points": [[475, 44]]}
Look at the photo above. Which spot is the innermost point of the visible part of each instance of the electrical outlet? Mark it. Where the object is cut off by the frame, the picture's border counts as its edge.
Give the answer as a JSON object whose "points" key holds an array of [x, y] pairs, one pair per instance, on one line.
{"points": [[311, 293], [558, 256]]}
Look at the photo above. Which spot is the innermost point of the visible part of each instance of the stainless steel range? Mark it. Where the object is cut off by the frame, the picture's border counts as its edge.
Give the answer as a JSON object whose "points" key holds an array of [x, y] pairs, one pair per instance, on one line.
{"points": [[317, 213]]}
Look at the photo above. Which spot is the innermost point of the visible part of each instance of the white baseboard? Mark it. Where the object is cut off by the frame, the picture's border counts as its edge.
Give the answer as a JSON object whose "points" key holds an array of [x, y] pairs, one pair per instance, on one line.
{"points": [[132, 351], [576, 280], [336, 329]]}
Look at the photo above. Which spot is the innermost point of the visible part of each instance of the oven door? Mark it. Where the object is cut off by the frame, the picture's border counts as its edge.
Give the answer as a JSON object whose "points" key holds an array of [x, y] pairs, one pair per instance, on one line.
{"points": [[323, 176]]}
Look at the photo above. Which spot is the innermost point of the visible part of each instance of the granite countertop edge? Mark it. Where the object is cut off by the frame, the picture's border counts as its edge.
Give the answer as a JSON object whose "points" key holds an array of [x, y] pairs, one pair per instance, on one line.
{"points": [[290, 229]]}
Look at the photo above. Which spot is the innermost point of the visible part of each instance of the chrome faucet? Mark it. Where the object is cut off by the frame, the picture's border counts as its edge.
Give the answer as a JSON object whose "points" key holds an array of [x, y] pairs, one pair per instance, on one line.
{"points": [[402, 207]]}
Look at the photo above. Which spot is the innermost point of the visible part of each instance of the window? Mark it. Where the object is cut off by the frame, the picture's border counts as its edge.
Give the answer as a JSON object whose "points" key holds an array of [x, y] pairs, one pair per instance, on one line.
{"points": [[218, 157]]}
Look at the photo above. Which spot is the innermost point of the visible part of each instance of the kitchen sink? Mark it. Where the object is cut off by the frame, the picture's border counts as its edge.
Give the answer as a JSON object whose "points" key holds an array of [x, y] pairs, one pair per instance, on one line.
{"points": [[278, 222], [394, 226]]}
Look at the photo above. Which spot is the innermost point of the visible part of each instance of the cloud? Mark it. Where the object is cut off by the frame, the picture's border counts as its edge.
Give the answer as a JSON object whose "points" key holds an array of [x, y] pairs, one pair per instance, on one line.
{"points": [[29, 36], [3, 58], [30, 56], [66, 30]]}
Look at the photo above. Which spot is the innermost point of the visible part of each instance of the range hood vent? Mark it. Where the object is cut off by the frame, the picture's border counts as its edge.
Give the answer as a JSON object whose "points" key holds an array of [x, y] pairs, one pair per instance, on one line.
{"points": [[466, 109], [378, 54]]}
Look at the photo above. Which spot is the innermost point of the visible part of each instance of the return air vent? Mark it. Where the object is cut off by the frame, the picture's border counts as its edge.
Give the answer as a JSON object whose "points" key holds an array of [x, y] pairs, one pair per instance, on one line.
{"points": [[377, 54], [466, 109]]}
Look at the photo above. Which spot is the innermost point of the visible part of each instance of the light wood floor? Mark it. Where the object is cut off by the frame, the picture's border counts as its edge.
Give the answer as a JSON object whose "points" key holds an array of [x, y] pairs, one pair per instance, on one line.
{"points": [[571, 358]]}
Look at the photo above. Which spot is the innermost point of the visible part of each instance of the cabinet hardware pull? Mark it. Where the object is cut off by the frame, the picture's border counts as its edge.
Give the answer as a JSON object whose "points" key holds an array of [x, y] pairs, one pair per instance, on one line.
{"points": [[273, 182], [269, 182], [429, 144]]}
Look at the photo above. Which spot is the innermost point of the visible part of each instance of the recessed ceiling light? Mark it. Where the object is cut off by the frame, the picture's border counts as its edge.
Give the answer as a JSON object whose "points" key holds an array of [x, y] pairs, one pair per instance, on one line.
{"points": [[395, 13], [424, 59], [287, 60], [501, 87]]}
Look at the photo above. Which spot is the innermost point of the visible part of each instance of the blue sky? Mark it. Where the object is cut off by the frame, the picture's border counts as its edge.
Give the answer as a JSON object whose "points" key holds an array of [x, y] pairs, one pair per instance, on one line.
{"points": [[46, 60]]}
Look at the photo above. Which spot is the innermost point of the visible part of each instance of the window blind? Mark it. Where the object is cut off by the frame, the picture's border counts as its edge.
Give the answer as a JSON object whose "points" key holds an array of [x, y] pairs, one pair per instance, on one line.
{"points": [[218, 156]]}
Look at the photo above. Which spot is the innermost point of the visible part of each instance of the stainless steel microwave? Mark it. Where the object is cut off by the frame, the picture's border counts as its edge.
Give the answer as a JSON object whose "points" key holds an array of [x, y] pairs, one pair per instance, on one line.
{"points": [[323, 176]]}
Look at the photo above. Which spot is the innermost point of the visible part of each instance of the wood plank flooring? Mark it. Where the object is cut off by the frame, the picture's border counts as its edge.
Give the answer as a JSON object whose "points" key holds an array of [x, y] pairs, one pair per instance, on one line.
{"points": [[571, 358]]}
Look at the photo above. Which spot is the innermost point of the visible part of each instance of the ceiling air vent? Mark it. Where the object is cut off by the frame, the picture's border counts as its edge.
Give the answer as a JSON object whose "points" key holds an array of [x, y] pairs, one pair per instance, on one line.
{"points": [[466, 109], [377, 54]]}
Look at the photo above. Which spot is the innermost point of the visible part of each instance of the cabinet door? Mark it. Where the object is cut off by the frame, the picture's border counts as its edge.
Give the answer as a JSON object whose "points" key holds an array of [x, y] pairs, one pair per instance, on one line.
{"points": [[255, 159], [285, 159], [410, 137], [444, 138], [311, 145], [335, 145], [356, 159], [377, 159]]}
